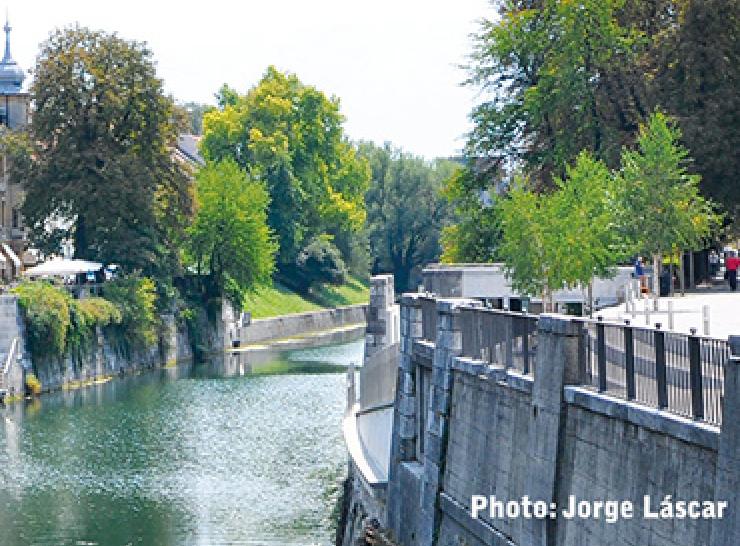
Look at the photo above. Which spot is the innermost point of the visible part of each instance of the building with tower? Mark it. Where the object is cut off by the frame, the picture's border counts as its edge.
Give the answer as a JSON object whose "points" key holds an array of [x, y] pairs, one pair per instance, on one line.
{"points": [[14, 112]]}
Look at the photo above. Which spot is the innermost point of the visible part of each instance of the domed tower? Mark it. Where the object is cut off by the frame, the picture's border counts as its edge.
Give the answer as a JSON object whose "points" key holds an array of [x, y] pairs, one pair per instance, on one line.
{"points": [[13, 115], [14, 103]]}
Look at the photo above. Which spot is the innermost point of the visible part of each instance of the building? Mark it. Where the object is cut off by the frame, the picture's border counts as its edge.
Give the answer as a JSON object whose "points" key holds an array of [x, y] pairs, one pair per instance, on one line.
{"points": [[14, 111]]}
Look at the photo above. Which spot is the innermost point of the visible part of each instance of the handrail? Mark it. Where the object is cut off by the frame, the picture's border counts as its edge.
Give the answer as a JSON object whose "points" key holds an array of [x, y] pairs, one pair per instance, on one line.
{"points": [[9, 358]]}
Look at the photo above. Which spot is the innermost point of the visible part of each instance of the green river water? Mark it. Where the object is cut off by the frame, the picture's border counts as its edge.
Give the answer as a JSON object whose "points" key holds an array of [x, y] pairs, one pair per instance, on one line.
{"points": [[182, 456]]}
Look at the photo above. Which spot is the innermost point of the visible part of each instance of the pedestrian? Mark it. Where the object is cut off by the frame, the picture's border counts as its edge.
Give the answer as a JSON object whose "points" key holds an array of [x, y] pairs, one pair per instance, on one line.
{"points": [[713, 263], [732, 262], [640, 274]]}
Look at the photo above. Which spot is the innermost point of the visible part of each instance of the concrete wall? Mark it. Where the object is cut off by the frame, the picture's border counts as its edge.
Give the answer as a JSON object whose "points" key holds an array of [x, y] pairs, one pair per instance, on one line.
{"points": [[463, 427], [290, 325], [489, 281]]}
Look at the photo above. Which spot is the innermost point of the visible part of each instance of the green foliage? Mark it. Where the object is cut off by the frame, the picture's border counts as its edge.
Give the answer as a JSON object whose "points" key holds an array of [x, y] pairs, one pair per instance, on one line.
{"points": [[320, 262], [101, 133], [290, 135], [475, 235], [33, 385], [276, 300], [194, 112], [57, 324], [47, 316], [135, 298], [229, 243], [663, 208], [553, 68], [405, 211]]}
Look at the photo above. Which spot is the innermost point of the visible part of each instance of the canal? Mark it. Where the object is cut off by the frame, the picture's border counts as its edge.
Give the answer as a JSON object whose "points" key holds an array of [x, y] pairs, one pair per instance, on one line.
{"points": [[181, 456]]}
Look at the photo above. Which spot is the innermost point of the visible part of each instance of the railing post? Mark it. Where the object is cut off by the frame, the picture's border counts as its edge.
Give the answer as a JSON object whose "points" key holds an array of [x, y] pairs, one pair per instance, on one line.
{"points": [[629, 361], [509, 359], [660, 368], [601, 354], [525, 343], [695, 378]]}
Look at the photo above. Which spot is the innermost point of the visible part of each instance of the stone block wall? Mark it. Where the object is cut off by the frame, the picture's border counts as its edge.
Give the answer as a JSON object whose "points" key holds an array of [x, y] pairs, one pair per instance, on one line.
{"points": [[492, 431]]}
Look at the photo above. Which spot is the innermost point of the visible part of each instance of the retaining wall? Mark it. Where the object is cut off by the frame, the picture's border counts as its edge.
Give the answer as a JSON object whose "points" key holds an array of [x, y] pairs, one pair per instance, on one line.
{"points": [[299, 323], [463, 427]]}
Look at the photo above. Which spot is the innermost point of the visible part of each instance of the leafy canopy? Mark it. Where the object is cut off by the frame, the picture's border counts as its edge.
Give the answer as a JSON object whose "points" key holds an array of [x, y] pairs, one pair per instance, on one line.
{"points": [[101, 133], [405, 210], [229, 243], [664, 210], [290, 135]]}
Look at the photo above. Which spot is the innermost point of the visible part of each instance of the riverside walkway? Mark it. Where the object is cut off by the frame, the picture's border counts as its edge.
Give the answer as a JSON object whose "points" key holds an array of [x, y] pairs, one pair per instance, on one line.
{"points": [[724, 318]]}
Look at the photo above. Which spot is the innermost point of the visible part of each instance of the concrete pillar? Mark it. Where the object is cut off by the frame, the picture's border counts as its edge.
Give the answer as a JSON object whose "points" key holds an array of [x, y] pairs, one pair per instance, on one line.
{"points": [[379, 314], [448, 345], [557, 366], [727, 481], [403, 440]]}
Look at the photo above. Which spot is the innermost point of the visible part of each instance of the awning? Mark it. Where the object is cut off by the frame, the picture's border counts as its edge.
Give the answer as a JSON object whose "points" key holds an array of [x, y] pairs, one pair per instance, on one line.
{"points": [[61, 267], [13, 258]]}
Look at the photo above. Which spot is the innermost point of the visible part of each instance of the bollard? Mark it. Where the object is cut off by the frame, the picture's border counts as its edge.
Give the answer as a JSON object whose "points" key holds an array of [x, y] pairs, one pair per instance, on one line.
{"points": [[670, 315], [705, 318], [647, 312]]}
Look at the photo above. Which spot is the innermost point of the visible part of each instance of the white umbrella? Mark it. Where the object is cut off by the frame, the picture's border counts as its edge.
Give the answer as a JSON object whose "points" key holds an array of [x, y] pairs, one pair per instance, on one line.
{"points": [[61, 267]]}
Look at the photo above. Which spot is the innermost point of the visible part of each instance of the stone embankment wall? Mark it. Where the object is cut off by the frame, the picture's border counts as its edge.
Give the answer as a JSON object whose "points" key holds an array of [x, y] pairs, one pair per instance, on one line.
{"points": [[367, 424], [102, 359], [260, 330], [463, 427]]}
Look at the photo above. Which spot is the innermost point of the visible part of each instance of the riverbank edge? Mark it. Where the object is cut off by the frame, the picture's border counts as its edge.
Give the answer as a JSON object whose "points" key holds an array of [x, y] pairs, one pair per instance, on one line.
{"points": [[263, 331]]}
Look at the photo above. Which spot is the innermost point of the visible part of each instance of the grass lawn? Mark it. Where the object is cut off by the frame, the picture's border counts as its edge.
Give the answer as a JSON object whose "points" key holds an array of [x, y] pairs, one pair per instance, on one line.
{"points": [[278, 300]]}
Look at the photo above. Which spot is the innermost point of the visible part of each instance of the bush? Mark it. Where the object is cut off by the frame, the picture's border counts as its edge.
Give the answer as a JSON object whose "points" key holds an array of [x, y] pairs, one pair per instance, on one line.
{"points": [[33, 385], [47, 316], [56, 323], [136, 299], [320, 262]]}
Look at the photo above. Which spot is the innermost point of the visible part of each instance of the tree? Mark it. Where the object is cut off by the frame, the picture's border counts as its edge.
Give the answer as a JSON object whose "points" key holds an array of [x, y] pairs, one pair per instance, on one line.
{"points": [[560, 82], [290, 135], [565, 238], [665, 211], [229, 243], [405, 210], [695, 63], [476, 232], [102, 173]]}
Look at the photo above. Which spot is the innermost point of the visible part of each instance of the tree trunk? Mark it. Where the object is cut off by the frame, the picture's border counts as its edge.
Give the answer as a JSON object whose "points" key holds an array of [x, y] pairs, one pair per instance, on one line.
{"points": [[682, 273], [656, 274]]}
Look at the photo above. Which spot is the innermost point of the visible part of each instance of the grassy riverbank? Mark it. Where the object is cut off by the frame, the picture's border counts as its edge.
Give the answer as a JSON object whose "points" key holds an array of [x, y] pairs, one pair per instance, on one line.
{"points": [[278, 300]]}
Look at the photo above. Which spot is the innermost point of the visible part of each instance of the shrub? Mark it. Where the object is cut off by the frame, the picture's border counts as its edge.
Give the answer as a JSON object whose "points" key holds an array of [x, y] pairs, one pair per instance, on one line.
{"points": [[57, 324], [320, 261], [47, 316], [33, 385], [136, 299]]}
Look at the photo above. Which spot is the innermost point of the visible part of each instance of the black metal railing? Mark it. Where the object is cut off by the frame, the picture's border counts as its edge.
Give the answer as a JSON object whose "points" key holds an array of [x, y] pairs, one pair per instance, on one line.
{"points": [[428, 318], [504, 338], [676, 372]]}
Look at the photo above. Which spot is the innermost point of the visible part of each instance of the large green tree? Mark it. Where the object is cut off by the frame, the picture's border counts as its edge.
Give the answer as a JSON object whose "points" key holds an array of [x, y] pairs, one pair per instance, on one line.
{"points": [[405, 211], [102, 173], [229, 243], [290, 135]]}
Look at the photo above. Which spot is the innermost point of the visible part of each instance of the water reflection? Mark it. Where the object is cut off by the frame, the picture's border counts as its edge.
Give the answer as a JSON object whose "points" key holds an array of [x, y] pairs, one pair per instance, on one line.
{"points": [[185, 456]]}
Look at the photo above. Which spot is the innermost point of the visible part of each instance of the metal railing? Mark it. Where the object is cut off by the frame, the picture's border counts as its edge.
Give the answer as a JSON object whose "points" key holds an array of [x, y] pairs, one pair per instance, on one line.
{"points": [[680, 373], [504, 338], [428, 318], [5, 370]]}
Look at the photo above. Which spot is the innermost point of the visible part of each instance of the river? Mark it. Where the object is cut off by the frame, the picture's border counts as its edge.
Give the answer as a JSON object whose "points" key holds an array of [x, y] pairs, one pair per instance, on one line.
{"points": [[180, 456]]}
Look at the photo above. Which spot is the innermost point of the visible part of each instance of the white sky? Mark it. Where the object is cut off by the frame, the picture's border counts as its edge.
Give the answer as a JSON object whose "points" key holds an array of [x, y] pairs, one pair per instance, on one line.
{"points": [[393, 64]]}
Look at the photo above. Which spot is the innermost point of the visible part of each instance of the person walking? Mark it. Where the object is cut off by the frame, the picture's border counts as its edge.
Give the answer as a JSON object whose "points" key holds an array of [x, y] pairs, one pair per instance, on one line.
{"points": [[713, 263], [732, 262], [640, 274]]}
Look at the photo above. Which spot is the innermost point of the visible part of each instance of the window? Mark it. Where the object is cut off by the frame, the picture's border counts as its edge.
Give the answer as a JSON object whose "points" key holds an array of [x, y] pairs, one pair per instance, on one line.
{"points": [[16, 218]]}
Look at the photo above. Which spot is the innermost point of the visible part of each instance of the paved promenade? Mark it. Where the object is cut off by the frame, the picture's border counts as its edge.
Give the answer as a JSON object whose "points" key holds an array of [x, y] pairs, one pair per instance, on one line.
{"points": [[724, 313]]}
